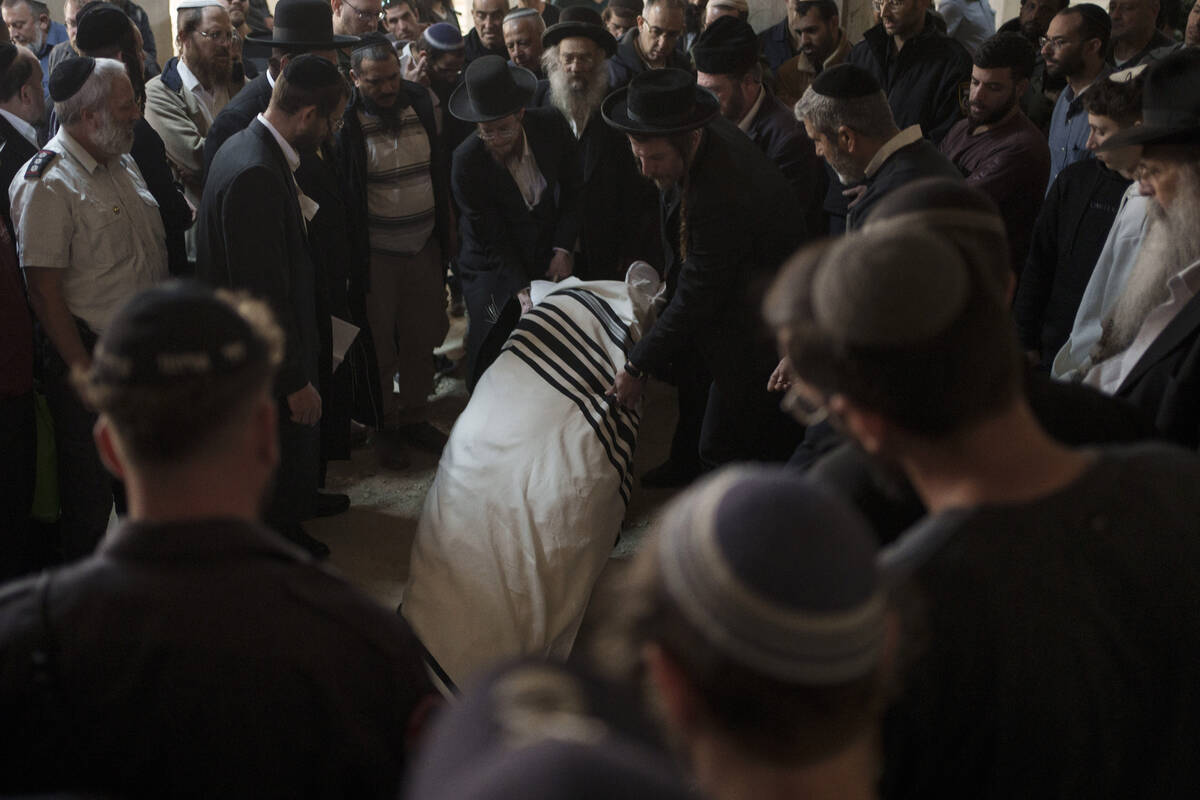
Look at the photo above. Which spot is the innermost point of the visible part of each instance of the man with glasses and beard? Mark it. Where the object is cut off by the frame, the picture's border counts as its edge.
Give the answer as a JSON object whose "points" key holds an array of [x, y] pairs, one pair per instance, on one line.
{"points": [[253, 235], [618, 221], [396, 184], [516, 184], [997, 148], [1149, 350], [1074, 47], [90, 238]]}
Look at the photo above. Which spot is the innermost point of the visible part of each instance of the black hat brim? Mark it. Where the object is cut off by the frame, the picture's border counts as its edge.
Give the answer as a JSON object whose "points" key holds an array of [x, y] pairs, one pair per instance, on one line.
{"points": [[460, 105], [336, 43], [566, 30], [1153, 134], [615, 110]]}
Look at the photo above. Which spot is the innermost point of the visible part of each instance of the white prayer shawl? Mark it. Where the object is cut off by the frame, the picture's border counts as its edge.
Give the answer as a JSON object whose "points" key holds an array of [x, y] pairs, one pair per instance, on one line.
{"points": [[532, 486]]}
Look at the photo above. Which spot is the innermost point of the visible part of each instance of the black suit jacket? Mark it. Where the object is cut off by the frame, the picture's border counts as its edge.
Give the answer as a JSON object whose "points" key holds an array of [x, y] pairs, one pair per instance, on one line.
{"points": [[1165, 382], [15, 150], [910, 163], [238, 113], [781, 137], [743, 221], [252, 236]]}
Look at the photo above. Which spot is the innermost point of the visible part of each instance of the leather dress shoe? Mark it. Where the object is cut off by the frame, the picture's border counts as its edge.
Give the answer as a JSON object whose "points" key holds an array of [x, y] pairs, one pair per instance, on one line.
{"points": [[327, 505]]}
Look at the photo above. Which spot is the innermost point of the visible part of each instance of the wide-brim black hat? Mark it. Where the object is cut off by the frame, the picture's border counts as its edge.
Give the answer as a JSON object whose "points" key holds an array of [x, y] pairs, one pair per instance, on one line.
{"points": [[1170, 104], [581, 25], [491, 88], [660, 102], [304, 25]]}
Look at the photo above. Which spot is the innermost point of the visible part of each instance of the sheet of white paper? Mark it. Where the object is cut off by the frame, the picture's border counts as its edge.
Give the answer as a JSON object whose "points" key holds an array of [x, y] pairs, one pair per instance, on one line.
{"points": [[343, 336]]}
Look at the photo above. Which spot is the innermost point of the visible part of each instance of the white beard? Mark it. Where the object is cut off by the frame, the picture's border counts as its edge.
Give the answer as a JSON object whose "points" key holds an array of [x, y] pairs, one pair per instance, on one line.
{"points": [[577, 103]]}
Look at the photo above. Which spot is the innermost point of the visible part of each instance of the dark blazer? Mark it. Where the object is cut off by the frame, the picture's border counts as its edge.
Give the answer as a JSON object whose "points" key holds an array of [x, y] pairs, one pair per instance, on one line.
{"points": [[252, 236], [627, 63], [473, 48], [151, 156], [1165, 382], [239, 112], [15, 150], [743, 221], [782, 139], [911, 162], [776, 44], [505, 245], [925, 84]]}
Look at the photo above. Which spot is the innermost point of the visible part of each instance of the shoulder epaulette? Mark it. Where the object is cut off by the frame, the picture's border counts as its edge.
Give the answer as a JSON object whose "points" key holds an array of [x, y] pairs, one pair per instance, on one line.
{"points": [[38, 164]]}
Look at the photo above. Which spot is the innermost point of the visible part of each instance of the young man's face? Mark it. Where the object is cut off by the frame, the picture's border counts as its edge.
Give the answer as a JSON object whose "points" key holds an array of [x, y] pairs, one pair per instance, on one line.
{"points": [[1123, 160], [993, 95], [818, 37], [401, 21], [658, 160]]}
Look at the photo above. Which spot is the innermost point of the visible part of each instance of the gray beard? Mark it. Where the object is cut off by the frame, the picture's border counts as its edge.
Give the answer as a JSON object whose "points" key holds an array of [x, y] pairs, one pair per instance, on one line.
{"points": [[577, 105], [113, 139], [1172, 243]]}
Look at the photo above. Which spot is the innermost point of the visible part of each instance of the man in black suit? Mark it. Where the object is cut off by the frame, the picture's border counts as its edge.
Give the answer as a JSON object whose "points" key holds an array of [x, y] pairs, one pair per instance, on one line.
{"points": [[729, 220], [22, 106], [618, 219], [253, 236], [516, 184]]}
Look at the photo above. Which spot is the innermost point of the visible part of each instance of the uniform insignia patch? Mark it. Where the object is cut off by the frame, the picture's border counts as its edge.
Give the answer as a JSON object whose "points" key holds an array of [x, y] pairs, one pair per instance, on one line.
{"points": [[38, 164]]}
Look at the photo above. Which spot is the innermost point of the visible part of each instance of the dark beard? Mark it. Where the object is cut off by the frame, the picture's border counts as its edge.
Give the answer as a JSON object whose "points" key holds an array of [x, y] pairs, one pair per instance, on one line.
{"points": [[693, 17], [389, 116]]}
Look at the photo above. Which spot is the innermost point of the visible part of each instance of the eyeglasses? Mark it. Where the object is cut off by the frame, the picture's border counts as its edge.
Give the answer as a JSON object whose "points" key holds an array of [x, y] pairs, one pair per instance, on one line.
{"points": [[220, 37], [364, 16], [1057, 43]]}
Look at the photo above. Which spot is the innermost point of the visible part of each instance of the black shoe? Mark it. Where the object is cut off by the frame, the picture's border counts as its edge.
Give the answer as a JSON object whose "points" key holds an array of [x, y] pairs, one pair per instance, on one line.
{"points": [[392, 453], [360, 435], [424, 436], [327, 505], [669, 475], [299, 537]]}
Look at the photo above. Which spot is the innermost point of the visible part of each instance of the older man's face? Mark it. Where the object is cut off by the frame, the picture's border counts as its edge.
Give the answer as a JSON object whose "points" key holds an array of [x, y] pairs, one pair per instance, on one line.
{"points": [[488, 16], [524, 43], [579, 56], [378, 81], [25, 27], [659, 28], [1132, 19], [356, 17], [1162, 179]]}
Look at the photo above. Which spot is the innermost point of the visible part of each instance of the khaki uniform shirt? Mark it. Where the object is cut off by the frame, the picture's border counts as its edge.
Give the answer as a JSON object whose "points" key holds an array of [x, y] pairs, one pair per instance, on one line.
{"points": [[96, 222]]}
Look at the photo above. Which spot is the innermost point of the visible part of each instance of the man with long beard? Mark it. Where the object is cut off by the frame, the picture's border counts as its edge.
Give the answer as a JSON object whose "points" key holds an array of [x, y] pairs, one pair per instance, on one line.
{"points": [[997, 148], [617, 219], [90, 239], [1150, 344]]}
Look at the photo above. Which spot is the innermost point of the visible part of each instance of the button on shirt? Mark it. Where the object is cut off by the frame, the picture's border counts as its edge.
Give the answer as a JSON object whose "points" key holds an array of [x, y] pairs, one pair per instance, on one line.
{"points": [[96, 222], [1069, 130]]}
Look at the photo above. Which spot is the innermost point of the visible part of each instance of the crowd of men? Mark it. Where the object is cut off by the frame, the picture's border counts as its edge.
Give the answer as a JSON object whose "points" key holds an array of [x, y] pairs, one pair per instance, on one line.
{"points": [[947, 273]]}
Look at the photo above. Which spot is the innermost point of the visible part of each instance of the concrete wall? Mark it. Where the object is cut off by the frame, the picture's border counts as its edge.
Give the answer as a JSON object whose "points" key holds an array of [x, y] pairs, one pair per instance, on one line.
{"points": [[160, 21]]}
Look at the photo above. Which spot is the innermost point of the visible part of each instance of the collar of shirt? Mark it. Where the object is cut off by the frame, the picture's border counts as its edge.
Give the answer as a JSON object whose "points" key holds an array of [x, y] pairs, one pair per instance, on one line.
{"points": [[753, 112], [193, 85], [23, 127], [289, 152], [527, 175], [75, 149], [1075, 101], [902, 139], [270, 78]]}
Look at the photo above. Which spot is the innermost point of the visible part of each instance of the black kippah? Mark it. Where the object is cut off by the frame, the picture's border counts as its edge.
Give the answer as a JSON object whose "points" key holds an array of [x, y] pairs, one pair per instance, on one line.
{"points": [[371, 40], [311, 72], [69, 76], [727, 46], [845, 81], [101, 25], [580, 14], [8, 54]]}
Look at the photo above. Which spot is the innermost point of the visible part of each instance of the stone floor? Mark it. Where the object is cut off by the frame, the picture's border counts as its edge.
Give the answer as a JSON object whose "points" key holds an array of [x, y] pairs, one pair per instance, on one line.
{"points": [[370, 543]]}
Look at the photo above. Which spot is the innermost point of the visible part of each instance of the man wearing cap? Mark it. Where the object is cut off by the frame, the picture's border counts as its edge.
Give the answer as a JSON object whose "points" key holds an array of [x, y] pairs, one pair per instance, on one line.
{"points": [[396, 180], [550, 13], [728, 220], [208, 656], [617, 209], [487, 37], [1034, 566], [193, 88], [651, 45], [756, 622], [516, 183], [90, 238], [822, 44], [253, 235], [1147, 351], [523, 29], [850, 121], [22, 107], [136, 14], [436, 61], [727, 64]]}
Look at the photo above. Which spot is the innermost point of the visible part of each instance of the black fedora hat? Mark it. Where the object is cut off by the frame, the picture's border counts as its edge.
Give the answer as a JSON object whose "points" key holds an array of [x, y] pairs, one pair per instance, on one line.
{"points": [[304, 25], [580, 21], [1170, 104], [492, 88], [660, 101]]}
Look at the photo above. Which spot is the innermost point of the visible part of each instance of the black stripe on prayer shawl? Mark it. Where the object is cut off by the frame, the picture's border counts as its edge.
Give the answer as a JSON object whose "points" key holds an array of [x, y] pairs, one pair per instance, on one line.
{"points": [[619, 444], [534, 324], [603, 364], [617, 330]]}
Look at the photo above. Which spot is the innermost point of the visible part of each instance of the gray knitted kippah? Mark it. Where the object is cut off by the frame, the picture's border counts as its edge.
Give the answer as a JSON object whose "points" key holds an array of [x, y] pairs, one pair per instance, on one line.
{"points": [[889, 288], [777, 575]]}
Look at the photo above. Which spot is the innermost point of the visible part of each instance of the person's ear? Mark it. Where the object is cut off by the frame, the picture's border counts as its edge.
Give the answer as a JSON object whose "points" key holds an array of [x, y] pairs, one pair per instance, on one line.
{"points": [[641, 21], [847, 139], [307, 116], [108, 447], [867, 427], [678, 699]]}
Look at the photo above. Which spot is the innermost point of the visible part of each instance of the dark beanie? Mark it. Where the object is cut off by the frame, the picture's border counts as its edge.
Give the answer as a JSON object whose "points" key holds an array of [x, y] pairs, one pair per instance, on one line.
{"points": [[69, 77], [845, 81], [727, 46], [101, 25]]}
